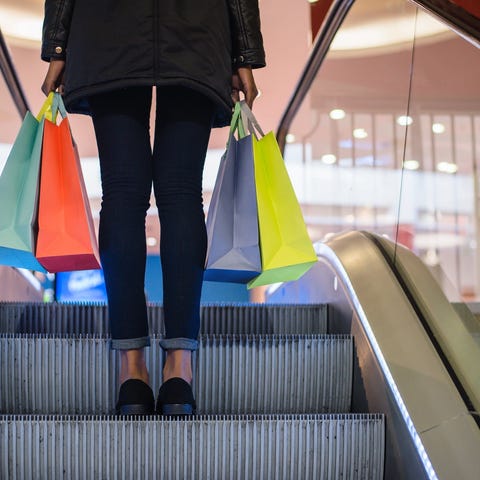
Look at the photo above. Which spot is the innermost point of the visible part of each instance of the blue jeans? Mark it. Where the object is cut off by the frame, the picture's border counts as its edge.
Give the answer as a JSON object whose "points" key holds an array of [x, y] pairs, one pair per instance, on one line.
{"points": [[128, 169]]}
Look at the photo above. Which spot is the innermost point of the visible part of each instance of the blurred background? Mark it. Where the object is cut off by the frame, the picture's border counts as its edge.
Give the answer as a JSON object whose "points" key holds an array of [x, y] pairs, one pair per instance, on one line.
{"points": [[386, 140]]}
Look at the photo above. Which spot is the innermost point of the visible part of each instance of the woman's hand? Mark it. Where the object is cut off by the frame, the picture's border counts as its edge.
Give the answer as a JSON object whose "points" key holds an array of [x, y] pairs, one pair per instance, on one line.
{"points": [[243, 81], [54, 77]]}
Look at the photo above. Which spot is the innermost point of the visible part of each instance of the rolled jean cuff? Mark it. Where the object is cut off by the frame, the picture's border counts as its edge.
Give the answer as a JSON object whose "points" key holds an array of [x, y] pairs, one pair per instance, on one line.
{"points": [[129, 343], [179, 344]]}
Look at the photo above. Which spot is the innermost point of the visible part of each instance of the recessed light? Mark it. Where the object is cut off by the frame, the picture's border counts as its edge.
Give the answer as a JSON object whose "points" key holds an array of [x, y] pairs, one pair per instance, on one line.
{"points": [[360, 133], [337, 114], [404, 120], [438, 128], [447, 167], [329, 158], [411, 164], [290, 138], [151, 241]]}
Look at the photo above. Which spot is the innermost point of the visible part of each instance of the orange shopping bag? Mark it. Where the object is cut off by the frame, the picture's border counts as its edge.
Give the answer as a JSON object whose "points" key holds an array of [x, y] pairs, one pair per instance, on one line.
{"points": [[66, 234]]}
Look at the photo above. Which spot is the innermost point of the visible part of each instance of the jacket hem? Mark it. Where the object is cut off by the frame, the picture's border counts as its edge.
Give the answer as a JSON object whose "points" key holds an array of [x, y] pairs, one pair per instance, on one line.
{"points": [[76, 101]]}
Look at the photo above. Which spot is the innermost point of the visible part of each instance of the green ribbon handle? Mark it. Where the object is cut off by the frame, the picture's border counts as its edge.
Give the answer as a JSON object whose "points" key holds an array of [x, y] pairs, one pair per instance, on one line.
{"points": [[58, 107]]}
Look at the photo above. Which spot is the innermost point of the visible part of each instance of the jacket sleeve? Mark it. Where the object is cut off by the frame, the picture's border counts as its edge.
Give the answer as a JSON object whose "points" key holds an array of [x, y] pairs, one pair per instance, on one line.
{"points": [[247, 41], [56, 26]]}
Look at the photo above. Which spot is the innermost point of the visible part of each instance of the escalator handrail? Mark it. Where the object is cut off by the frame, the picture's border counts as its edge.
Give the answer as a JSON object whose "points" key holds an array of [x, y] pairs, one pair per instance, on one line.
{"points": [[449, 336], [442, 432], [455, 17], [11, 78]]}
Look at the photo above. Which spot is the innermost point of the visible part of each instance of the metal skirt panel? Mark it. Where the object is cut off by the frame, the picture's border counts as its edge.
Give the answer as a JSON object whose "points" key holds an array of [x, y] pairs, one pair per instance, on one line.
{"points": [[232, 374], [88, 318], [271, 447]]}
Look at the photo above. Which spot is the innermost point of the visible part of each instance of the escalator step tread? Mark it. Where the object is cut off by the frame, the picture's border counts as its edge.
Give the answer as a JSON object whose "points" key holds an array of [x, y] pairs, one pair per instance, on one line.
{"points": [[289, 446], [91, 318], [233, 374]]}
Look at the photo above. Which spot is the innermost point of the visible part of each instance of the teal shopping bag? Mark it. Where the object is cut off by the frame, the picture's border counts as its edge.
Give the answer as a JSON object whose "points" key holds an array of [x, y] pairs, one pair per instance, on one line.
{"points": [[19, 184]]}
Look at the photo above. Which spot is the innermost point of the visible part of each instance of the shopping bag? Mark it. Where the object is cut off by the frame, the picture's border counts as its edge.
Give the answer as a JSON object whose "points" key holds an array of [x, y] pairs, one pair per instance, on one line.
{"points": [[19, 194], [66, 234], [233, 252], [286, 249]]}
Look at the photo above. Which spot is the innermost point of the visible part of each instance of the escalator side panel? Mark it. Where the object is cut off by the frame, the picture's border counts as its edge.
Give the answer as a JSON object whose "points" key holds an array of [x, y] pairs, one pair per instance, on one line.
{"points": [[400, 371]]}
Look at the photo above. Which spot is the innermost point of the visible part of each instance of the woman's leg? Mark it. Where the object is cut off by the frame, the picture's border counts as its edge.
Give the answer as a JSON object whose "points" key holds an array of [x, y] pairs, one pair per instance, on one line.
{"points": [[183, 124], [121, 121]]}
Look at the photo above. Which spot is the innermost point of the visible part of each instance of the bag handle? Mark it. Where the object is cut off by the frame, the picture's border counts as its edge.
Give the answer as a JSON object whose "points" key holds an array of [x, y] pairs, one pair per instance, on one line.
{"points": [[236, 124], [244, 122], [58, 107], [46, 110], [249, 121]]}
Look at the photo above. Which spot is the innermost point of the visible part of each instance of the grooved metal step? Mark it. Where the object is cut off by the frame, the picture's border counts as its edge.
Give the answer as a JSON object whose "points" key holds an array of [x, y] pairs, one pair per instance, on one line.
{"points": [[232, 318], [253, 447], [233, 374]]}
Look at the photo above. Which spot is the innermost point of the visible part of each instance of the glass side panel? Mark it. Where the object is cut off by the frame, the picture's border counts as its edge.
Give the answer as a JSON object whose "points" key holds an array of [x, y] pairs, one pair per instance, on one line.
{"points": [[442, 185], [351, 152], [388, 139]]}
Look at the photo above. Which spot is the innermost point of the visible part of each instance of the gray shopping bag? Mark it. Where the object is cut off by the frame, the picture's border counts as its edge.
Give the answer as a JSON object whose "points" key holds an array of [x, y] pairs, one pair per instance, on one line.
{"points": [[233, 253]]}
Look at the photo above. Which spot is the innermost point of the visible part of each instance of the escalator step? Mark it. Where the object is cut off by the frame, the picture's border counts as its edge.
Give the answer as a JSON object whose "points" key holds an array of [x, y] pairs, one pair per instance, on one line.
{"points": [[78, 318], [234, 374], [253, 447]]}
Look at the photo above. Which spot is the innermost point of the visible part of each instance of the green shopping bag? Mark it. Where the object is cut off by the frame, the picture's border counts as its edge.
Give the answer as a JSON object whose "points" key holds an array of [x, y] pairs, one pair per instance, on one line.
{"points": [[286, 249], [19, 184]]}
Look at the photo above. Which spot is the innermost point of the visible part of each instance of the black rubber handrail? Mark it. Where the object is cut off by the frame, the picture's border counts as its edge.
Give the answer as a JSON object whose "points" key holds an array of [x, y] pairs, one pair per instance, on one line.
{"points": [[11, 78], [457, 18]]}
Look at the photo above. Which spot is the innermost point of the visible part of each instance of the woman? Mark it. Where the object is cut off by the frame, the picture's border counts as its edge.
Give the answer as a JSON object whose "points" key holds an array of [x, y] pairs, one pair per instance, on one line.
{"points": [[105, 57]]}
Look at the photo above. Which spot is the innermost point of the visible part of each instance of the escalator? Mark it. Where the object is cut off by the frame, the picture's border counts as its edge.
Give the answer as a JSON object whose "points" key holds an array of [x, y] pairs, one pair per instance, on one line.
{"points": [[356, 371]]}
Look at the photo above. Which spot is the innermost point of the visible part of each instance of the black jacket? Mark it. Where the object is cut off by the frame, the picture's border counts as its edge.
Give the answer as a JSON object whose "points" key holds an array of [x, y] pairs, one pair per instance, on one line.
{"points": [[110, 44]]}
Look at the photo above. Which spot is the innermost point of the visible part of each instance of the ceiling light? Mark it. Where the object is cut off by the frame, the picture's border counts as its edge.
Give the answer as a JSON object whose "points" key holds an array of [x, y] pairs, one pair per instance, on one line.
{"points": [[19, 24], [411, 164], [438, 128], [290, 138], [329, 158], [337, 114], [360, 133], [447, 167], [151, 241], [404, 120], [390, 31]]}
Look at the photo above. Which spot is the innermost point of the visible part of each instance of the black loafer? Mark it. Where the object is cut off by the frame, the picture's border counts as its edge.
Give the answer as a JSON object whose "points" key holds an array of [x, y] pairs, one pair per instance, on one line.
{"points": [[135, 398], [175, 397]]}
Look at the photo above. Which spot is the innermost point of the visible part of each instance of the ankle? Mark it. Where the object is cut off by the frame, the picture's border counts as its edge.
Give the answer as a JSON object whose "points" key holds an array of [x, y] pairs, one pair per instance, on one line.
{"points": [[133, 366], [178, 364]]}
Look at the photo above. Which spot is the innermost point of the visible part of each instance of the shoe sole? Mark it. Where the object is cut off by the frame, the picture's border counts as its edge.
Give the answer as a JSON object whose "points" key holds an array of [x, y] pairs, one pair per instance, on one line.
{"points": [[135, 409], [177, 409]]}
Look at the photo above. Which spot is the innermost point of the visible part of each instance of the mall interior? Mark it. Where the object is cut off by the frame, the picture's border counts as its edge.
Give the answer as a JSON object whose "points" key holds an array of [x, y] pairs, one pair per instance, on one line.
{"points": [[366, 367]]}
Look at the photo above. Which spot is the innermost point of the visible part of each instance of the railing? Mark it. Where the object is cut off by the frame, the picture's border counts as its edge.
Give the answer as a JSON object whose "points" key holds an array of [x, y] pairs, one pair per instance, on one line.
{"points": [[465, 24]]}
